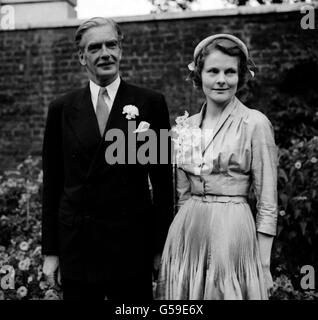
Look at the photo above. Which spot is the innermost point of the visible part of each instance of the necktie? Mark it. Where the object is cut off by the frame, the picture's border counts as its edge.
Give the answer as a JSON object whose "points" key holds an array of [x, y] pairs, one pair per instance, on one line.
{"points": [[102, 111]]}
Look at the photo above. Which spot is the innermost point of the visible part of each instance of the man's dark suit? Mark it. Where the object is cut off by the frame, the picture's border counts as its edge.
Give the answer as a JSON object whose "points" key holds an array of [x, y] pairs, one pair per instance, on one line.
{"points": [[99, 218]]}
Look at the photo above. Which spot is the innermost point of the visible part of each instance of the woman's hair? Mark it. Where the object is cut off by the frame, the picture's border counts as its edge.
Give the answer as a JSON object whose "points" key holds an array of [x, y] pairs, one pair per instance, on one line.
{"points": [[225, 46], [96, 22]]}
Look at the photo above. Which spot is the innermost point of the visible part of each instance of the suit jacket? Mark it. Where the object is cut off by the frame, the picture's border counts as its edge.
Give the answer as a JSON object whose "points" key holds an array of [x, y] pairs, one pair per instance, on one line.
{"points": [[98, 217], [240, 153]]}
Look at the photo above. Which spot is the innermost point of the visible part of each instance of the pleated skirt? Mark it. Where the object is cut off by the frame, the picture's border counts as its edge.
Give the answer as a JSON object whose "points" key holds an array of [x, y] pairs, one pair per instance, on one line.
{"points": [[211, 253]]}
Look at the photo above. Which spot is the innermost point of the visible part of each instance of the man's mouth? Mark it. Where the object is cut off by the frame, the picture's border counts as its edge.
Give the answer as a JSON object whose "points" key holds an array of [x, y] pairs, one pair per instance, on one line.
{"points": [[221, 89], [105, 64]]}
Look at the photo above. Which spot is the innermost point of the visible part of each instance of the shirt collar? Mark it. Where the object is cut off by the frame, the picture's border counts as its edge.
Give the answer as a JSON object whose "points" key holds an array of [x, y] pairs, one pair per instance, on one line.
{"points": [[111, 90]]}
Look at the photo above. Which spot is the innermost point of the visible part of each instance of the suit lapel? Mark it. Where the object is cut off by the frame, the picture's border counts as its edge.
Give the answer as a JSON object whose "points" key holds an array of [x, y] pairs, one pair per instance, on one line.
{"points": [[116, 118], [82, 119]]}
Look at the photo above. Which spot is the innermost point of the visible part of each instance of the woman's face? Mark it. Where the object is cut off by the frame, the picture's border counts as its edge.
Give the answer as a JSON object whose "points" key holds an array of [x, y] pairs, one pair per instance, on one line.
{"points": [[220, 77]]}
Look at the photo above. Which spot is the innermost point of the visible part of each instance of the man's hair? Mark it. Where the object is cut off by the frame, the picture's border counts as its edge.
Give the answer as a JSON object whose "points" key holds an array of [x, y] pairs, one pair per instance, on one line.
{"points": [[97, 22]]}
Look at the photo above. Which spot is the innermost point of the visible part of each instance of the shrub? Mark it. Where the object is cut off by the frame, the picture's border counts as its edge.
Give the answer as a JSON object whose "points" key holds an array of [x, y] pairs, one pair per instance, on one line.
{"points": [[294, 246], [297, 239], [20, 237]]}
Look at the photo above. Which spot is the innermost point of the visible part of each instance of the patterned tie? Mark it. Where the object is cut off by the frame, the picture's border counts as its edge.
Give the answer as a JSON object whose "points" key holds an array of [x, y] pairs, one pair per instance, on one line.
{"points": [[102, 110]]}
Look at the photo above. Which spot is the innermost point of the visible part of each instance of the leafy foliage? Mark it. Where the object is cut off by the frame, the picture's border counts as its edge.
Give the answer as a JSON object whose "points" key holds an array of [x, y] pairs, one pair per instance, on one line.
{"points": [[283, 289], [291, 106], [297, 239], [171, 5], [290, 101], [246, 2], [20, 237], [182, 5]]}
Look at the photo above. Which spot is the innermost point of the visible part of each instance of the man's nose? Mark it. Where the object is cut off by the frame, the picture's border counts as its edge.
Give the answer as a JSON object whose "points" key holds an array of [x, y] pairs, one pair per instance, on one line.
{"points": [[104, 51]]}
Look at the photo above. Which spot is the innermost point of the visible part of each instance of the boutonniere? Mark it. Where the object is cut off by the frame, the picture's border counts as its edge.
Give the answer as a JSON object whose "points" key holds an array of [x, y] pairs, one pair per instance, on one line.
{"points": [[142, 127], [131, 111]]}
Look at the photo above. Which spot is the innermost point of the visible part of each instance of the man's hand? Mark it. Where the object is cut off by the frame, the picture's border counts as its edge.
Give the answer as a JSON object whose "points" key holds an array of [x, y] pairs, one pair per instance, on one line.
{"points": [[156, 262], [155, 273], [156, 265], [50, 267]]}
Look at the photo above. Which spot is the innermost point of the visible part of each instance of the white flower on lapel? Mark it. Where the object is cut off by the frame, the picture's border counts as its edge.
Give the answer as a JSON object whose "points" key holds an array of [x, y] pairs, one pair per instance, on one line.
{"points": [[131, 111], [142, 127]]}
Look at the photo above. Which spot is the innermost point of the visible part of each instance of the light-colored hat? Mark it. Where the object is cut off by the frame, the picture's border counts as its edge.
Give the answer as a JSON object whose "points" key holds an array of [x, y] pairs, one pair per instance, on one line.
{"points": [[205, 42]]}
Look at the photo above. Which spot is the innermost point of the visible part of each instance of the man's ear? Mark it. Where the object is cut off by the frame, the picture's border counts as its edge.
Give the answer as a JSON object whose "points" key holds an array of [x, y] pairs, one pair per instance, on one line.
{"points": [[81, 57], [121, 54]]}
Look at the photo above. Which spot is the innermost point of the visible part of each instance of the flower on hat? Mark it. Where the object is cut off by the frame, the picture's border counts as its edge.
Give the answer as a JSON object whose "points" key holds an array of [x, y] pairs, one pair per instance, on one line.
{"points": [[191, 66], [131, 111]]}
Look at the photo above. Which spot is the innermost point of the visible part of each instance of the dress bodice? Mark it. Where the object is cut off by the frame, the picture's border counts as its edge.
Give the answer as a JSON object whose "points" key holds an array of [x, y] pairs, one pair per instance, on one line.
{"points": [[240, 152]]}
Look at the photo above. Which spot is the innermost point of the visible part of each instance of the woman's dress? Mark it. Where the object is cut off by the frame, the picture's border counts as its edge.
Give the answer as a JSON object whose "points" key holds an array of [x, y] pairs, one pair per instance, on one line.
{"points": [[211, 251]]}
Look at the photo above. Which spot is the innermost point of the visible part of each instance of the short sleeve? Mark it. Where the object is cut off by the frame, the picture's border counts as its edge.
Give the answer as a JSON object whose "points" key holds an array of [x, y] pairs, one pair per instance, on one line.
{"points": [[264, 173]]}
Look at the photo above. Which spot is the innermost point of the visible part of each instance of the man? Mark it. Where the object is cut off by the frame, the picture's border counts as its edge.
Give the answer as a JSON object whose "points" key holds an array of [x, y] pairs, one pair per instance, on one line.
{"points": [[100, 226]]}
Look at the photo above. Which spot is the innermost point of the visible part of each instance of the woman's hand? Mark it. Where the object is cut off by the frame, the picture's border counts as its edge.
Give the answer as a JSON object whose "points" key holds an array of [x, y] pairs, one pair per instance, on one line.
{"points": [[268, 279], [265, 242]]}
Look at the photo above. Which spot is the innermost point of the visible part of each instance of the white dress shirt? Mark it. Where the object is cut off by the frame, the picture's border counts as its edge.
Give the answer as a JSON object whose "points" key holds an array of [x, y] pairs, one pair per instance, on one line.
{"points": [[111, 90]]}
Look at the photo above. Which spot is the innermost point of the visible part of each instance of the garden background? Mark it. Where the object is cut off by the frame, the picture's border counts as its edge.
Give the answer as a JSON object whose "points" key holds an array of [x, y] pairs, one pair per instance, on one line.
{"points": [[38, 63]]}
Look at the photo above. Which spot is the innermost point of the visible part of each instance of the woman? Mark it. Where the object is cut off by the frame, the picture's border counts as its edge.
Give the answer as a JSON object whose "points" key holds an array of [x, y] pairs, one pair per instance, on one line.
{"points": [[214, 250]]}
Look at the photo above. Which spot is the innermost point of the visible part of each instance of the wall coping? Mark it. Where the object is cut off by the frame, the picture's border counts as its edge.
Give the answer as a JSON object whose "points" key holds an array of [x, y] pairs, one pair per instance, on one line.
{"points": [[13, 2], [242, 10]]}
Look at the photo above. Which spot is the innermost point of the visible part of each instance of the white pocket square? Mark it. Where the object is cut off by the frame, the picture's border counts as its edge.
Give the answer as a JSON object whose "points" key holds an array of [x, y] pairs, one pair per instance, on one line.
{"points": [[142, 127]]}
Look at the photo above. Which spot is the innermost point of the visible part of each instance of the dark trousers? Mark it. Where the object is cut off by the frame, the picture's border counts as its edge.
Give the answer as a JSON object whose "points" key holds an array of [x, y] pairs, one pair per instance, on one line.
{"points": [[127, 289]]}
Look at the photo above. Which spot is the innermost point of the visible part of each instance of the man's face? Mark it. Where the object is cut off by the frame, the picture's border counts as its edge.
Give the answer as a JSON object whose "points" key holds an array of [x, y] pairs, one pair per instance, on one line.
{"points": [[101, 53]]}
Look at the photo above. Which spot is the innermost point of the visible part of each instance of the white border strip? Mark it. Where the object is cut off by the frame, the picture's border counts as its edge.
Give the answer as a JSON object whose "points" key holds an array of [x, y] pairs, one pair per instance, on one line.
{"points": [[242, 10]]}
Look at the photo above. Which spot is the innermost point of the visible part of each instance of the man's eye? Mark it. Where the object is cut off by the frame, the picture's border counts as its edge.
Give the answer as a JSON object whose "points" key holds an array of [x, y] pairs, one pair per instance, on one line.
{"points": [[112, 44], [231, 71], [213, 70], [93, 48]]}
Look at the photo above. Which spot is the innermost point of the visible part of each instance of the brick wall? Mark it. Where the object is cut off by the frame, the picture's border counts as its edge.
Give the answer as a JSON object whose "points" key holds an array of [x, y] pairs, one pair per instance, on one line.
{"points": [[40, 63]]}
